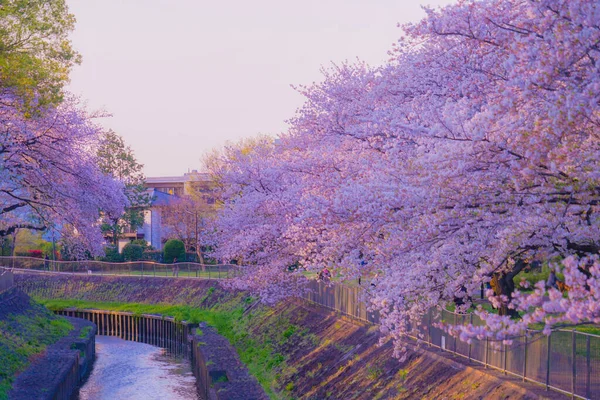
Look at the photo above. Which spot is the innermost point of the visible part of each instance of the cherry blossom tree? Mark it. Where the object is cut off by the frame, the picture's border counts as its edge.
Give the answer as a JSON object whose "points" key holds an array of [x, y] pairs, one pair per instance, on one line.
{"points": [[467, 157], [187, 219], [250, 226], [50, 174]]}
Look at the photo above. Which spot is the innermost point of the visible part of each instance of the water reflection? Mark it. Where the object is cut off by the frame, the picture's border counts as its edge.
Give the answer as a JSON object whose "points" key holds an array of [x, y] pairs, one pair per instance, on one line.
{"points": [[131, 370]]}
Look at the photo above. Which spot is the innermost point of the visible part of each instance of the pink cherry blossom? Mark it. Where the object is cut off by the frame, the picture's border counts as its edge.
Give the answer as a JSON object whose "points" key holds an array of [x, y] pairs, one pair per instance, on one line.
{"points": [[472, 153]]}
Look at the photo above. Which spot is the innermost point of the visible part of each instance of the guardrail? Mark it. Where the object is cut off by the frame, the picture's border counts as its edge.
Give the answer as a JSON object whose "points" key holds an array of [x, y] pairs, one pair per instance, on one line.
{"points": [[567, 361], [134, 268]]}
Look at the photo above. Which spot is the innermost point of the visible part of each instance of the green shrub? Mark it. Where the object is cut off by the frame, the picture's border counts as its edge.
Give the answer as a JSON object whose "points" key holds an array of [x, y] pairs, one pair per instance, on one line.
{"points": [[132, 252], [112, 254], [290, 331], [47, 248], [191, 257], [5, 246], [152, 255], [532, 276], [174, 248], [142, 242]]}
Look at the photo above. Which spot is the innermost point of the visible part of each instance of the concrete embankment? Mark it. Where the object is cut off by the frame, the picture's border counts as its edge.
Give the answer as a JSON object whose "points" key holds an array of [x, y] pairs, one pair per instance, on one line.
{"points": [[42, 356], [216, 365], [220, 373], [309, 352]]}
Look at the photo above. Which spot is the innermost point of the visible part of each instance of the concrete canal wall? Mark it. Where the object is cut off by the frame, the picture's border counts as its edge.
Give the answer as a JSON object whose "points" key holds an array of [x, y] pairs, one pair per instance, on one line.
{"points": [[155, 330], [220, 373], [215, 363], [58, 366]]}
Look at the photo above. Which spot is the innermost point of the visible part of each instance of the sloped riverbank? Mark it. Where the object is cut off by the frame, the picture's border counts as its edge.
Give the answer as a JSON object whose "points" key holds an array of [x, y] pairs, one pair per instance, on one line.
{"points": [[42, 356], [295, 349]]}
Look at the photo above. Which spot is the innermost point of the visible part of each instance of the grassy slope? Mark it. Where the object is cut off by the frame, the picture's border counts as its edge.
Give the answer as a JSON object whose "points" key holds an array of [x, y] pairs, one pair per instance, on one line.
{"points": [[22, 336]]}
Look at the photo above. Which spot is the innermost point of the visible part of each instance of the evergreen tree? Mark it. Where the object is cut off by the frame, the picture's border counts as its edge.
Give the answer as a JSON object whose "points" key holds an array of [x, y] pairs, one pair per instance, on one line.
{"points": [[117, 159]]}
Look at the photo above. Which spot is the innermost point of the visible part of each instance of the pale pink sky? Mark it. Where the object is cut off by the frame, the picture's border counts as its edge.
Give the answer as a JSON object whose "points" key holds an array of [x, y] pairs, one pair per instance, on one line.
{"points": [[181, 77]]}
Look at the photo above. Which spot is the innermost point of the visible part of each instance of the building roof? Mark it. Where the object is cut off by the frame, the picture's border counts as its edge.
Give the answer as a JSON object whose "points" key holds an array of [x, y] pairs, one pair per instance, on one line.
{"points": [[187, 177], [166, 179]]}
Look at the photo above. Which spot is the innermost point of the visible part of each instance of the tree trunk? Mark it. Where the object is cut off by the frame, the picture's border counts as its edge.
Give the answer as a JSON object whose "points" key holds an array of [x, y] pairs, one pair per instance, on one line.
{"points": [[200, 258], [502, 283]]}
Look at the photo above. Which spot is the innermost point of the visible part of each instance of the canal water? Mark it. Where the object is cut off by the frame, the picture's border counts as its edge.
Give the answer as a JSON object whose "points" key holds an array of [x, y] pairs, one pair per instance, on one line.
{"points": [[132, 370]]}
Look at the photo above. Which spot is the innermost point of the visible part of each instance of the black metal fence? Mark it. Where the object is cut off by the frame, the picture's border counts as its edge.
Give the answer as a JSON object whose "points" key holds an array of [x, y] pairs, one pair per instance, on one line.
{"points": [[134, 268], [567, 360]]}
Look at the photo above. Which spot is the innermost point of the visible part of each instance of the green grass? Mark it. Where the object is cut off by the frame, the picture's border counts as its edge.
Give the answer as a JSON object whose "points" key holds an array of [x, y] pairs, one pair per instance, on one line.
{"points": [[24, 336], [290, 331], [258, 354], [85, 331], [535, 276], [179, 312], [214, 274], [532, 276], [593, 329]]}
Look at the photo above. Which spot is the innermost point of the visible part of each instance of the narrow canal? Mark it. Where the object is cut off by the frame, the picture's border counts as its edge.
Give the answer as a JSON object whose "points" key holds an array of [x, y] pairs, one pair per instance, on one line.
{"points": [[132, 370]]}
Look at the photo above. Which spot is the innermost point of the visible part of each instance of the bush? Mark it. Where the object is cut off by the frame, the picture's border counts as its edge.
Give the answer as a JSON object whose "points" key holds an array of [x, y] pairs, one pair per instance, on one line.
{"points": [[47, 248], [30, 253], [132, 252], [143, 243], [152, 255], [112, 254], [35, 253], [191, 257], [174, 248]]}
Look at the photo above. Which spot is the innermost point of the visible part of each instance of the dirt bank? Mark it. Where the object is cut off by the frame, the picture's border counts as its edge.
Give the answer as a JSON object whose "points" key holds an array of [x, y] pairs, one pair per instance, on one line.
{"points": [[129, 289], [312, 353]]}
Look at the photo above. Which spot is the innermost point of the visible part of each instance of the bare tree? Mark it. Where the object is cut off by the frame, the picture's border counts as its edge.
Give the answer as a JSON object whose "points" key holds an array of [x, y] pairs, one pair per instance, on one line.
{"points": [[186, 219]]}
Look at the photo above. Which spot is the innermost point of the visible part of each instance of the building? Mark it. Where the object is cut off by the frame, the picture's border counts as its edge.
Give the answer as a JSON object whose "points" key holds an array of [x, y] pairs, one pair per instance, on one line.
{"points": [[188, 184], [164, 190]]}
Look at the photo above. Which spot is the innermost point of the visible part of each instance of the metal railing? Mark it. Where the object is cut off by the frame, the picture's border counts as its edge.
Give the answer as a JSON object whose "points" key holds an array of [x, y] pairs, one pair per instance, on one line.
{"points": [[567, 361], [134, 268]]}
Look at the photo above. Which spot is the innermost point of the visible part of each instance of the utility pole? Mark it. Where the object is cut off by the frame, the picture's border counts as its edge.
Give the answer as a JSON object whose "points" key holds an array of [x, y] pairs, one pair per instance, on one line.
{"points": [[196, 226]]}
